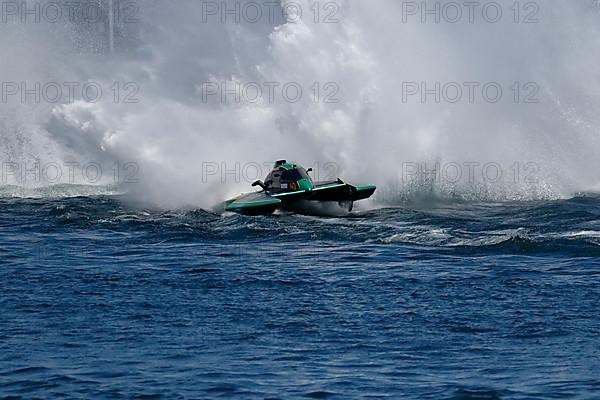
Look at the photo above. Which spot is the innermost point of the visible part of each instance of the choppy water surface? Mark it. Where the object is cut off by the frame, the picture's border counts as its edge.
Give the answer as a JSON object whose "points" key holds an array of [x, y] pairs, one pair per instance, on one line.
{"points": [[103, 299]]}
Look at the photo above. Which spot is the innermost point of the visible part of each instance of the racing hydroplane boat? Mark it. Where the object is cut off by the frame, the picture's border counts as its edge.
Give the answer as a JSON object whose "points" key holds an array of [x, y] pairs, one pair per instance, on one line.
{"points": [[289, 185]]}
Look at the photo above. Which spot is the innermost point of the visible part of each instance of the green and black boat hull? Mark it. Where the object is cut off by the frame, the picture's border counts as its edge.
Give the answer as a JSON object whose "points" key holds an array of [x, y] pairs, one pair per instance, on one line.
{"points": [[261, 203], [289, 185]]}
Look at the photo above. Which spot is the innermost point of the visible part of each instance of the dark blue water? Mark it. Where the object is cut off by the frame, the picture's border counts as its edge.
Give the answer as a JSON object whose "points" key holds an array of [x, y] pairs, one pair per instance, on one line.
{"points": [[101, 299]]}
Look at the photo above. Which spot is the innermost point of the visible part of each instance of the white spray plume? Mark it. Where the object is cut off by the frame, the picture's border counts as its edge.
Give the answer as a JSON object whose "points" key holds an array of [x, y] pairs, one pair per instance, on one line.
{"points": [[372, 132]]}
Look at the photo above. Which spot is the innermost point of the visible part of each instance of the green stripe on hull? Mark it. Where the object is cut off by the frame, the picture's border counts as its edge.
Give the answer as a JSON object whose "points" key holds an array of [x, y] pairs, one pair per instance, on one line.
{"points": [[252, 201], [366, 188], [241, 206], [287, 194]]}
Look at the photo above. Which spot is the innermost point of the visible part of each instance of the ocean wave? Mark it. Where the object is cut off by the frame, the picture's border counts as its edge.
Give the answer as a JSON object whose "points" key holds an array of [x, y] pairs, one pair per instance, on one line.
{"points": [[59, 191]]}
